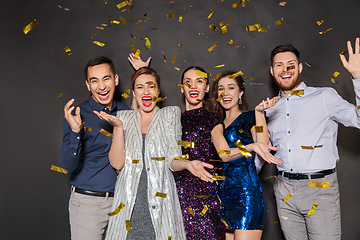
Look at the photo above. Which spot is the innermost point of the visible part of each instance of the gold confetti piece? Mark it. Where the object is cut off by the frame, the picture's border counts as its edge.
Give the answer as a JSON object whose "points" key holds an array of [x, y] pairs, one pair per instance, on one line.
{"points": [[318, 146], [106, 133], [131, 8], [60, 95], [203, 101], [169, 3], [179, 85], [212, 47], [227, 25], [282, 4], [313, 208], [358, 107], [187, 84], [211, 13], [186, 144], [142, 20], [99, 43], [88, 129], [169, 238], [101, 28], [223, 151], [319, 184], [158, 99], [122, 4], [114, 21], [128, 226], [133, 37], [177, 68], [257, 83], [220, 97], [124, 10], [297, 92], [105, 1], [274, 176], [307, 147], [225, 223], [159, 194], [278, 22], [201, 34], [322, 32], [190, 210], [262, 30], [203, 212], [290, 67], [123, 20], [274, 222], [242, 149], [254, 27], [164, 58], [147, 43], [66, 9], [137, 53], [334, 76], [319, 22], [230, 42], [150, 83], [105, 25], [182, 44], [217, 76], [215, 160], [213, 27], [218, 178], [173, 58], [93, 36], [183, 157], [309, 65], [133, 48], [259, 129], [141, 29], [239, 73], [126, 94], [180, 18], [158, 158], [58, 169], [117, 210], [82, 125], [134, 161], [287, 197], [201, 74], [223, 27], [170, 15], [242, 2], [344, 52], [202, 196], [68, 50], [30, 26]]}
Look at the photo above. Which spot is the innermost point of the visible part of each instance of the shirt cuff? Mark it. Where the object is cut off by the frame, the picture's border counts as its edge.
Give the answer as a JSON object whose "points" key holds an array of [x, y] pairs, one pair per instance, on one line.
{"points": [[74, 137]]}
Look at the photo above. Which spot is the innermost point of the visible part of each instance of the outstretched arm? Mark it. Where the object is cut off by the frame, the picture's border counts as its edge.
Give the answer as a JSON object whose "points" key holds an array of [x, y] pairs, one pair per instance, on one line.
{"points": [[196, 167], [117, 149], [137, 62], [353, 64]]}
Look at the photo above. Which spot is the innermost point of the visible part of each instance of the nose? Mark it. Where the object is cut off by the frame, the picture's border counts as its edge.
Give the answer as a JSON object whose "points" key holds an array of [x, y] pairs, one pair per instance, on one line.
{"points": [[146, 89], [102, 85]]}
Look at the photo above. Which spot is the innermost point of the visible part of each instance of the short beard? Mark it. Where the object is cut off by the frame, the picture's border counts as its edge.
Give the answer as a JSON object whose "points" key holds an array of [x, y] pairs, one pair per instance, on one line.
{"points": [[288, 88]]}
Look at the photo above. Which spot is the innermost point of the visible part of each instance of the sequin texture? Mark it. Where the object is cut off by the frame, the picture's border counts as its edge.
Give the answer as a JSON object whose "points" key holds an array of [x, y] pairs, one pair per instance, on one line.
{"points": [[242, 197], [194, 193]]}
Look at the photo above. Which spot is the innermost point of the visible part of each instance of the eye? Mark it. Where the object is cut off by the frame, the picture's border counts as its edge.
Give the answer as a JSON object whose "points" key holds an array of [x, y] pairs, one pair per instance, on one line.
{"points": [[200, 80], [93, 81], [152, 86], [231, 87], [220, 89], [139, 87]]}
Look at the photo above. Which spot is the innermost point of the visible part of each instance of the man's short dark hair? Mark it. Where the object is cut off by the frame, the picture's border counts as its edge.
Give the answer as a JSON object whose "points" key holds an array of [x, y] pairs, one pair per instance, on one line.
{"points": [[284, 48], [97, 61]]}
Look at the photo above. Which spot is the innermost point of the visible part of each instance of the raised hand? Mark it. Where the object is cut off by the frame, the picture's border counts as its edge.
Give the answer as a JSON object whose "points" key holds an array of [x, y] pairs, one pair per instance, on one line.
{"points": [[197, 168], [263, 150], [353, 65], [109, 118], [74, 121], [137, 62], [268, 103]]}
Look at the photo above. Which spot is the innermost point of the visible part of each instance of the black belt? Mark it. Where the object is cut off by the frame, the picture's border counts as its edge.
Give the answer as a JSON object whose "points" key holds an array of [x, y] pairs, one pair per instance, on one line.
{"points": [[298, 176], [94, 193]]}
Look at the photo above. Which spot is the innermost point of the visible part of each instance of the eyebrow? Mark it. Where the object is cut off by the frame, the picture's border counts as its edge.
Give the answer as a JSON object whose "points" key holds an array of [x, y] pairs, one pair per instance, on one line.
{"points": [[294, 60], [95, 78]]}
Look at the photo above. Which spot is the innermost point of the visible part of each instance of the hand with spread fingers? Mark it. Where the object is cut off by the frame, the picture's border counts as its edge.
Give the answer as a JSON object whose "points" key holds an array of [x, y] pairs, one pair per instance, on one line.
{"points": [[353, 64], [109, 118], [268, 103], [137, 62], [74, 121], [197, 168], [263, 150]]}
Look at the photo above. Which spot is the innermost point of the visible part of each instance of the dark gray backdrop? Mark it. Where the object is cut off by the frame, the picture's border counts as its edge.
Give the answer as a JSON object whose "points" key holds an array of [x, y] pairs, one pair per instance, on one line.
{"points": [[34, 69]]}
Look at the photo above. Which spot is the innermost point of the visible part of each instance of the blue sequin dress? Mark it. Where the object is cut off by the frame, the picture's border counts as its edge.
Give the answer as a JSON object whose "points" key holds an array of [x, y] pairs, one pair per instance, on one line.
{"points": [[242, 197]]}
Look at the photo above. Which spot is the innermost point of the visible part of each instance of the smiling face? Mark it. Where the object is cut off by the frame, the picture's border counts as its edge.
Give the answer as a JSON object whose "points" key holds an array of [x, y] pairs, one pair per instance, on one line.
{"points": [[196, 93], [232, 93], [144, 92], [101, 82], [286, 71]]}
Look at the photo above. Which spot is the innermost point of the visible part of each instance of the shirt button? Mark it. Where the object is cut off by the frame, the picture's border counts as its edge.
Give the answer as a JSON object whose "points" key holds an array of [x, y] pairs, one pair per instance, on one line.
{"points": [[288, 131], [74, 154], [287, 99], [78, 138], [289, 150], [148, 169], [287, 114], [153, 207]]}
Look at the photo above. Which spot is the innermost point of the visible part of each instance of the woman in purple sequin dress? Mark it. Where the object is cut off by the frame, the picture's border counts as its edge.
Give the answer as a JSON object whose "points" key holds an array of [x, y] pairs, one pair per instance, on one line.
{"points": [[199, 202]]}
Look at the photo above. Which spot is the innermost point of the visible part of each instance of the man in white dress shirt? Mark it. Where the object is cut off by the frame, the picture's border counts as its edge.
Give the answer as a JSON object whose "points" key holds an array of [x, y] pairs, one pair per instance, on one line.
{"points": [[304, 125]]}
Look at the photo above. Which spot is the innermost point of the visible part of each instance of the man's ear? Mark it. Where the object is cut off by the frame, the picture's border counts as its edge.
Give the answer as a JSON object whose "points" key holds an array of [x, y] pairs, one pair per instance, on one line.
{"points": [[300, 67], [271, 71], [116, 79], [87, 85]]}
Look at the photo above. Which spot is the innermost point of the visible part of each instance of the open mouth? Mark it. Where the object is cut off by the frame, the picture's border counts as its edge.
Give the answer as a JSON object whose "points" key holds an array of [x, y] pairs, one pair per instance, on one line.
{"points": [[286, 77], [226, 100], [146, 101], [194, 93], [103, 95]]}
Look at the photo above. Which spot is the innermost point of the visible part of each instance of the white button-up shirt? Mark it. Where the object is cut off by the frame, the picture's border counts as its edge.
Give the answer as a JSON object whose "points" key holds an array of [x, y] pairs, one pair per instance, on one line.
{"points": [[305, 127]]}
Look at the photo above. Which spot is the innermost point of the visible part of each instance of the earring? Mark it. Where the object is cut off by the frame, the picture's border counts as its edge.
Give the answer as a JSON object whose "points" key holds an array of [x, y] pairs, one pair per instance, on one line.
{"points": [[240, 101]]}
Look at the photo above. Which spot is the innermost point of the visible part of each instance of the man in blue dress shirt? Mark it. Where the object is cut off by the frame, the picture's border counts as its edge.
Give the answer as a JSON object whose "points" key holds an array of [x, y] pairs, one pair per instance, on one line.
{"points": [[84, 152], [304, 125]]}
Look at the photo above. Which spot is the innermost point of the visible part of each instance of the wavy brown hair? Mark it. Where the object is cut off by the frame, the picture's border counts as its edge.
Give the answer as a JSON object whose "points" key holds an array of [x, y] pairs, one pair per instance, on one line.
{"points": [[215, 106]]}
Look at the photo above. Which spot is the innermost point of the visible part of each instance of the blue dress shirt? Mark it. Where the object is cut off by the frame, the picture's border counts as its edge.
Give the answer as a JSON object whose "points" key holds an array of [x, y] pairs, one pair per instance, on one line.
{"points": [[304, 127], [85, 154]]}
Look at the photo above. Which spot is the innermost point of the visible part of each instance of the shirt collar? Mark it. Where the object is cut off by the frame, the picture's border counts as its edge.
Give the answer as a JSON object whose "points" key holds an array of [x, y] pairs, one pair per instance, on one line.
{"points": [[99, 107], [302, 86]]}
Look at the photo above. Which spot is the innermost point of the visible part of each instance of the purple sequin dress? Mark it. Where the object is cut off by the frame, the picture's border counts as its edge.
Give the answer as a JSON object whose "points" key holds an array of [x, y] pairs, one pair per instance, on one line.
{"points": [[194, 193]]}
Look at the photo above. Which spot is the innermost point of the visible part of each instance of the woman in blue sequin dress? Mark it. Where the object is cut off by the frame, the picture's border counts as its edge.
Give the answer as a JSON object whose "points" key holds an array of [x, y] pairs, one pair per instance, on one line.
{"points": [[242, 197]]}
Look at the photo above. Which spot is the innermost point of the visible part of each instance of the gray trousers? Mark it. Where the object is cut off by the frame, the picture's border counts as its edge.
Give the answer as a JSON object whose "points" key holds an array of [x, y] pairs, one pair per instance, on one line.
{"points": [[89, 216], [297, 220]]}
